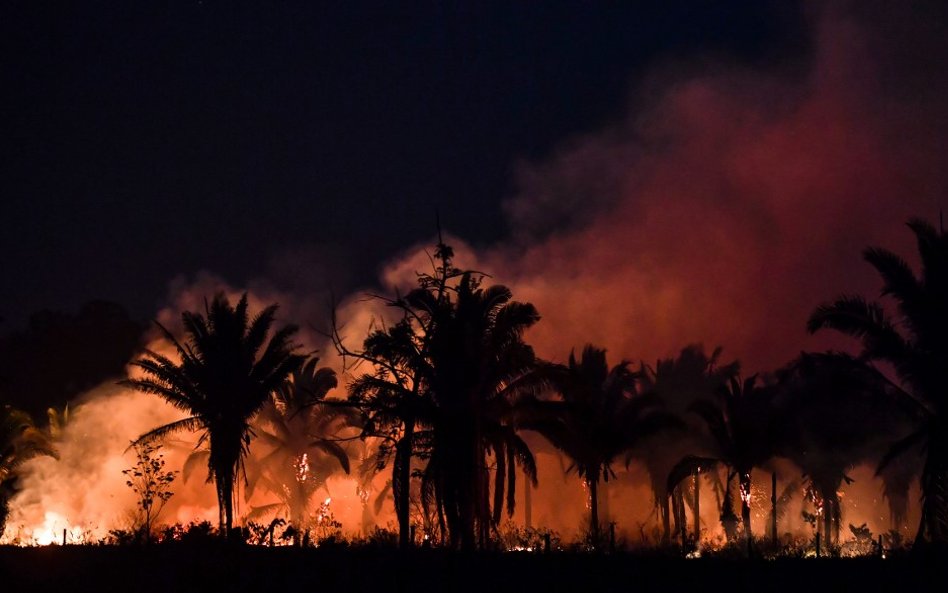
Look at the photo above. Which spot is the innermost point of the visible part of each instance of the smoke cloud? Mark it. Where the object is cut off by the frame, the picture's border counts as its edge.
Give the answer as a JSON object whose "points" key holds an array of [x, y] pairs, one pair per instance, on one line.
{"points": [[727, 209]]}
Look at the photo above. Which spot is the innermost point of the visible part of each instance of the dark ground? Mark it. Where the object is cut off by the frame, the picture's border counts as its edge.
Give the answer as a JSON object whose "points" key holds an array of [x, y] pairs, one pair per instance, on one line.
{"points": [[184, 568]]}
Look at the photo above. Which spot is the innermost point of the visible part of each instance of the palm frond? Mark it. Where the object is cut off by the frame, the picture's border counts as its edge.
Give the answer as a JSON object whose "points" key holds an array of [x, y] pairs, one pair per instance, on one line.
{"points": [[193, 461], [901, 447], [191, 424], [335, 450], [688, 466]]}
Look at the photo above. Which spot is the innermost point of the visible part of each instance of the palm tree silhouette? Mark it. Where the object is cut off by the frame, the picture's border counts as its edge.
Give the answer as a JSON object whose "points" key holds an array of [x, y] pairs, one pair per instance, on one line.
{"points": [[441, 390], [741, 424], [678, 381], [20, 441], [836, 413], [478, 363], [228, 370], [304, 434], [915, 344], [598, 418]]}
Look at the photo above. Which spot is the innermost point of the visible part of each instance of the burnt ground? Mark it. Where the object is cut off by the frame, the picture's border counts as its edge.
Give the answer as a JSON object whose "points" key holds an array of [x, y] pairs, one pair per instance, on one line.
{"points": [[73, 569]]}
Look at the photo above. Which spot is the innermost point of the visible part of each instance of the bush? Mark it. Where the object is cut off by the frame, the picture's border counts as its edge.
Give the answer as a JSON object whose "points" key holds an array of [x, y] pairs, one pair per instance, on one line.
{"points": [[192, 533], [528, 539]]}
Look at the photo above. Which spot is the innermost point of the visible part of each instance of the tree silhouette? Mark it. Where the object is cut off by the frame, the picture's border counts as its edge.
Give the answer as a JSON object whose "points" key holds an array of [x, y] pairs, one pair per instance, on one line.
{"points": [[151, 483], [837, 413], [228, 370], [304, 435], [90, 347], [20, 441], [598, 417], [741, 421], [678, 381], [478, 364], [915, 345], [393, 396], [441, 389]]}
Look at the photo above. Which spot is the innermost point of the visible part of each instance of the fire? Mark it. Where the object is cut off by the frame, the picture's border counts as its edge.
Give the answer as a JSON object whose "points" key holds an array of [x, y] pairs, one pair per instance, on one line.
{"points": [[302, 469], [55, 529], [745, 495]]}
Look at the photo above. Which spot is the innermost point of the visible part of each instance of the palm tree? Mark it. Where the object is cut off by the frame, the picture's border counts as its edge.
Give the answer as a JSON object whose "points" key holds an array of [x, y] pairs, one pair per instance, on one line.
{"points": [[837, 413], [20, 441], [228, 370], [304, 432], [741, 423], [441, 390], [477, 363], [677, 382], [598, 417], [915, 345]]}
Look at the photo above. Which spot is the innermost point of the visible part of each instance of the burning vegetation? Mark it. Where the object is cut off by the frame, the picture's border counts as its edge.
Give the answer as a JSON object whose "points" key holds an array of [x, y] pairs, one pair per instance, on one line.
{"points": [[443, 412], [448, 417]]}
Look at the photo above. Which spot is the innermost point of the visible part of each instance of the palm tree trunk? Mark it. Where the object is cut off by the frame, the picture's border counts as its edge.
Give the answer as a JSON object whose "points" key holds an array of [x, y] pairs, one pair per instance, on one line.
{"points": [[745, 479], [296, 517], [226, 503], [728, 518], [773, 508], [678, 507], [527, 501], [486, 518], [220, 513], [697, 506], [666, 518], [593, 484], [605, 508], [403, 454], [933, 527], [468, 495]]}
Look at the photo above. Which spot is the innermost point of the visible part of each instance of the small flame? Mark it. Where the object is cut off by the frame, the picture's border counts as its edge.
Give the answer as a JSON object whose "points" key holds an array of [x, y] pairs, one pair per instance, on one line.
{"points": [[302, 468], [745, 495]]}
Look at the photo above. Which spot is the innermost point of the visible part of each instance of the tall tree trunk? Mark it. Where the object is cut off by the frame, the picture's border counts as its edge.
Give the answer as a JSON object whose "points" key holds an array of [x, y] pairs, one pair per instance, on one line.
{"points": [[728, 518], [605, 508], [592, 481], [484, 517], [745, 480], [835, 516], [527, 501], [402, 484], [221, 522], [469, 492], [933, 527], [678, 506], [296, 521], [697, 506], [227, 499], [297, 504], [773, 507], [666, 518]]}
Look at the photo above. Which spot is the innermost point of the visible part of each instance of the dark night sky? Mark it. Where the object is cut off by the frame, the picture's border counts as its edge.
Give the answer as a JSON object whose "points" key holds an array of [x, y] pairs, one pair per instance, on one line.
{"points": [[141, 141]]}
